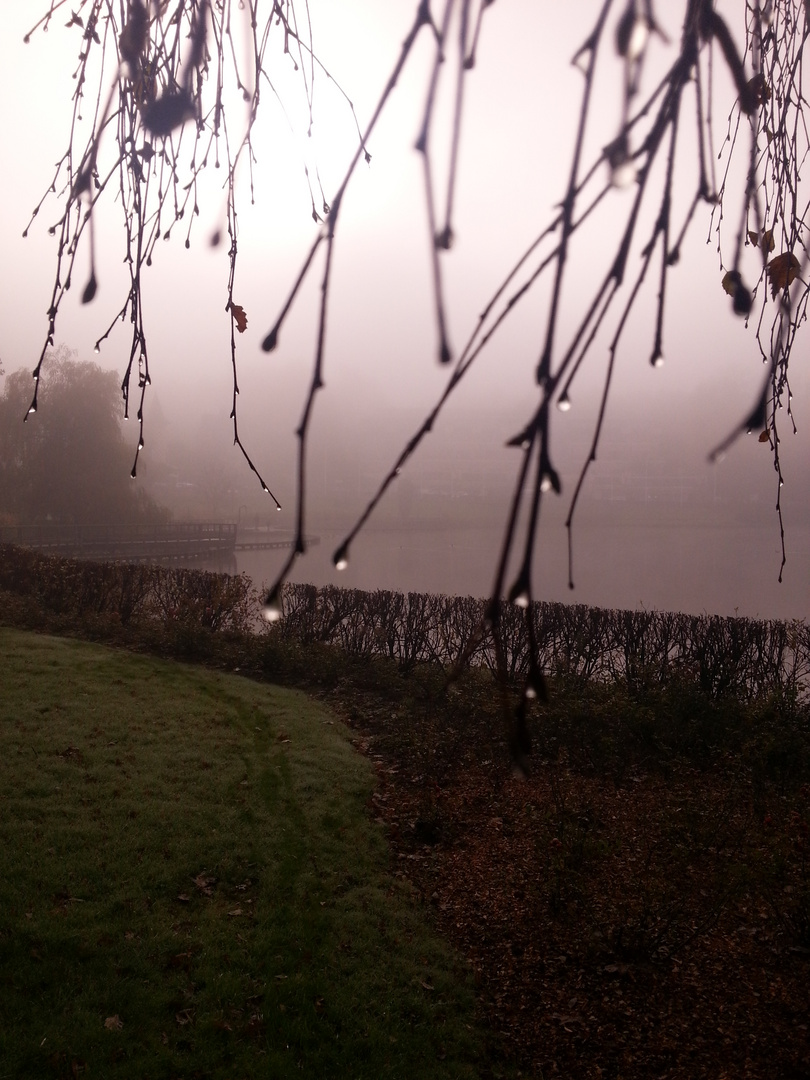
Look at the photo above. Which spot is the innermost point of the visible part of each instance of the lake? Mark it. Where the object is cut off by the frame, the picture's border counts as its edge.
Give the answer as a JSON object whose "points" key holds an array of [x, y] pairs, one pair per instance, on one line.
{"points": [[711, 569]]}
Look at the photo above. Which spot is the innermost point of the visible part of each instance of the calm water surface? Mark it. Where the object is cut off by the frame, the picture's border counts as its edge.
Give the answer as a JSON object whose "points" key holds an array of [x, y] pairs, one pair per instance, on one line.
{"points": [[718, 570]]}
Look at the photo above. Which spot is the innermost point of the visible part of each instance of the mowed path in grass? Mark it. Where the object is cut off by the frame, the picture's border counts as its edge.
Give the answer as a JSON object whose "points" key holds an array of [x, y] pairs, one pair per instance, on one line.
{"points": [[191, 884]]}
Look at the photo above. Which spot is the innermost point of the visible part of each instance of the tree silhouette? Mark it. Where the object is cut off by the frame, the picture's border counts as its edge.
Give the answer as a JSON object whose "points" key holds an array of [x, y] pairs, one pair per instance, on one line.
{"points": [[170, 91], [67, 465]]}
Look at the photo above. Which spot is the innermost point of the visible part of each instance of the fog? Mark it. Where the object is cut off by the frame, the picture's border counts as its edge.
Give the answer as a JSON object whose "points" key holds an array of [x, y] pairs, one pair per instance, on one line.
{"points": [[657, 525]]}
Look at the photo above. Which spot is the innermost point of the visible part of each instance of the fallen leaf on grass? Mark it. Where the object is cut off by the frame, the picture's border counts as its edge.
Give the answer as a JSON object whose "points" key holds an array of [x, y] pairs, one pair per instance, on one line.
{"points": [[113, 1023], [205, 883], [184, 1017], [236, 911]]}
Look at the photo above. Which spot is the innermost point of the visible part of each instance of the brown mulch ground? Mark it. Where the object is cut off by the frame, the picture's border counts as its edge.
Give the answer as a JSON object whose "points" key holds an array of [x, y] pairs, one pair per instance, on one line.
{"points": [[648, 925]]}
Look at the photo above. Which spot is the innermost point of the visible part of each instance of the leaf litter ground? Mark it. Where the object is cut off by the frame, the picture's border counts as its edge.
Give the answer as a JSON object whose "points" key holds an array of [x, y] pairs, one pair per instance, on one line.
{"points": [[624, 918]]}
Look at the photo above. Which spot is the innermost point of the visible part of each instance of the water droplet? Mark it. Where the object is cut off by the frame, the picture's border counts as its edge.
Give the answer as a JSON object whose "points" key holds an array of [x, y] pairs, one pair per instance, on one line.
{"points": [[32, 408], [638, 38], [140, 444], [530, 692], [97, 348], [545, 485], [278, 508], [271, 609], [623, 173], [341, 558], [522, 599], [90, 290], [564, 403], [657, 360]]}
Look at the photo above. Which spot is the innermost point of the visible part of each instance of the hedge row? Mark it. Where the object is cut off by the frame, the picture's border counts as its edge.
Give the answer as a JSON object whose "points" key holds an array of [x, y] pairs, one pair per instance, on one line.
{"points": [[127, 592], [746, 658]]}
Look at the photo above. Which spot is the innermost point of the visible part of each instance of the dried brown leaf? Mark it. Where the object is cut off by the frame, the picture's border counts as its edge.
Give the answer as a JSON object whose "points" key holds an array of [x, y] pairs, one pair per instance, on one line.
{"points": [[205, 883], [782, 271], [239, 317], [113, 1023], [758, 89], [731, 279]]}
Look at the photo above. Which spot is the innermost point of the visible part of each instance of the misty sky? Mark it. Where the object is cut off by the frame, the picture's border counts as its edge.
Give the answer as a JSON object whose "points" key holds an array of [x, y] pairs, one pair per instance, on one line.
{"points": [[381, 356]]}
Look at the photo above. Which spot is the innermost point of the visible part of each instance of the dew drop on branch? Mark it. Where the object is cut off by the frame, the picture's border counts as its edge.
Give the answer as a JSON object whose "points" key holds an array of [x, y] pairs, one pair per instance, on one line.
{"points": [[271, 609]]}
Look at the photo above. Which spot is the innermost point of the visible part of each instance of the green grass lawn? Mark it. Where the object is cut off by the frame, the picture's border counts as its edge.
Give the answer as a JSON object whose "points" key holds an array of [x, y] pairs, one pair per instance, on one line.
{"points": [[191, 884]]}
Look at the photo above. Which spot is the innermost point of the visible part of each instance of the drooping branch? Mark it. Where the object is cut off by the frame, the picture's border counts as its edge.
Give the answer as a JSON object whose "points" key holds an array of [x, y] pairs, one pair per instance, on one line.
{"points": [[172, 95]]}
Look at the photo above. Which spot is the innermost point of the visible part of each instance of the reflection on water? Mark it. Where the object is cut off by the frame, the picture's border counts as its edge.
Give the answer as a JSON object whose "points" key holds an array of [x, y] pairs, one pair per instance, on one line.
{"points": [[717, 570]]}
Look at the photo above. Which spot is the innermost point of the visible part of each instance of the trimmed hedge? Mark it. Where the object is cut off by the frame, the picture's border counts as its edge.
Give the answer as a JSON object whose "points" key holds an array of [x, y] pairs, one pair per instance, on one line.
{"points": [[126, 592], [743, 658]]}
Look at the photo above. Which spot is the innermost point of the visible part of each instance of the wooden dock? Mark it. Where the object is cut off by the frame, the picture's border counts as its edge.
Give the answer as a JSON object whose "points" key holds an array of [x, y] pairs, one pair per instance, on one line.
{"points": [[266, 540], [177, 541]]}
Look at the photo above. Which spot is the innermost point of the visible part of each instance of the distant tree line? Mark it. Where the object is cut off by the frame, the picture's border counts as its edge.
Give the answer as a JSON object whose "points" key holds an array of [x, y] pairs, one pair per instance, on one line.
{"points": [[68, 462]]}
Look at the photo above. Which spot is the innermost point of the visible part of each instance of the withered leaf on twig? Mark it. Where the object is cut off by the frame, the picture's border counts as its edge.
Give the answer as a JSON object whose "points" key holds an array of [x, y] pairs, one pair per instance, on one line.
{"points": [[765, 242], [239, 317], [782, 271], [731, 280]]}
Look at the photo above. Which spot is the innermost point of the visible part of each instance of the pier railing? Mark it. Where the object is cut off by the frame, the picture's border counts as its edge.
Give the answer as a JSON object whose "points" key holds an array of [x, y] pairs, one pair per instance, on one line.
{"points": [[127, 543]]}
